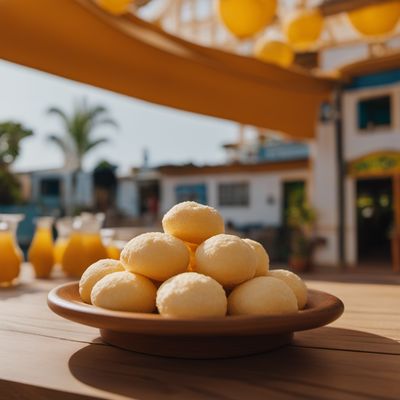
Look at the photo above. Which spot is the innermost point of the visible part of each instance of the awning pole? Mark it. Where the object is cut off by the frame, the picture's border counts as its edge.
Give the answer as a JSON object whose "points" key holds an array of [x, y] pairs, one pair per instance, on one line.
{"points": [[341, 176]]}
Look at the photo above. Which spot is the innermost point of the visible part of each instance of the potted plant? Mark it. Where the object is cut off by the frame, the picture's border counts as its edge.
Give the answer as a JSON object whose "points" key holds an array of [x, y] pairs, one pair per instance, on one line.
{"points": [[301, 221]]}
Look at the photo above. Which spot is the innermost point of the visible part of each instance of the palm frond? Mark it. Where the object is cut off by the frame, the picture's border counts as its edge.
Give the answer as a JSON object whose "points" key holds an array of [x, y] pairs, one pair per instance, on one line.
{"points": [[95, 143], [61, 114], [60, 142], [107, 121], [97, 110]]}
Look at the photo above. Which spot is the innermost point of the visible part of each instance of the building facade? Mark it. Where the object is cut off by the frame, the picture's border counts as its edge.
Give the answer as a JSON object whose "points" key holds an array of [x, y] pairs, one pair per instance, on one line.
{"points": [[368, 179], [247, 195]]}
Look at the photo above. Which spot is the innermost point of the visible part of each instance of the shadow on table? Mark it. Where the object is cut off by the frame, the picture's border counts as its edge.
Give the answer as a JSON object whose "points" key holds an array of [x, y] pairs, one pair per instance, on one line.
{"points": [[27, 284], [18, 290], [294, 371]]}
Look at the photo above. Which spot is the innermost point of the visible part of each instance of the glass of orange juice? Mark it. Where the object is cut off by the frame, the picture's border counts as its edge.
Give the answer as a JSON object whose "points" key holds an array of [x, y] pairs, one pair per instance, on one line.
{"points": [[73, 260], [41, 251], [13, 221], [10, 260], [93, 244], [113, 250], [64, 229]]}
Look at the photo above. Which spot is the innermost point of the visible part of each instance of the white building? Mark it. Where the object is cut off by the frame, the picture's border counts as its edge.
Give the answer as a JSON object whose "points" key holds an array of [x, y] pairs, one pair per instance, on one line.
{"points": [[245, 194], [359, 231]]}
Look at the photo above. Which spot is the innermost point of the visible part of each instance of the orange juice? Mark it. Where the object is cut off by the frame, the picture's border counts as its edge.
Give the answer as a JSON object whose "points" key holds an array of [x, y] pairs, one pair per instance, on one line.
{"points": [[107, 237], [64, 228], [9, 258], [113, 252], [41, 252], [94, 248], [73, 261], [12, 220], [59, 249]]}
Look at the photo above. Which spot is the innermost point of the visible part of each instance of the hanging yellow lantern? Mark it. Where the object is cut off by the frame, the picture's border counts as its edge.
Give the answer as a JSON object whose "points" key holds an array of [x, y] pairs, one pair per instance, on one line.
{"points": [[245, 18], [274, 52], [304, 28], [376, 19], [116, 7]]}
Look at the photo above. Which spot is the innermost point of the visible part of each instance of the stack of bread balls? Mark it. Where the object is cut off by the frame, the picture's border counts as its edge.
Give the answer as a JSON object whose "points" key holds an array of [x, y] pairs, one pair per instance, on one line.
{"points": [[192, 270]]}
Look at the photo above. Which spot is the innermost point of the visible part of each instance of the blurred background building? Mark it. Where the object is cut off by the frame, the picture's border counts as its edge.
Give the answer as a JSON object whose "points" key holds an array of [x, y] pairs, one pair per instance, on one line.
{"points": [[337, 180]]}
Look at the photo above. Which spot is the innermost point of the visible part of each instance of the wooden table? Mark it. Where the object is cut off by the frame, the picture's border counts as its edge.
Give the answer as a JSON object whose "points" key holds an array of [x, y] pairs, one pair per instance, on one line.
{"points": [[43, 356]]}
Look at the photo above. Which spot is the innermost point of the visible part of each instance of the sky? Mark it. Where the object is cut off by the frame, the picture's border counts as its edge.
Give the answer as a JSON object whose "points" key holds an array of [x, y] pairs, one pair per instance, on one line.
{"points": [[171, 136]]}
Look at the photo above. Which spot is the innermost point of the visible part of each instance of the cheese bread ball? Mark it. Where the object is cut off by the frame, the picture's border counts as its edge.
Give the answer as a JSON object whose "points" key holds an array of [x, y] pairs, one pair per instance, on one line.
{"points": [[94, 273], [155, 255], [193, 222], [261, 255], [262, 295], [294, 282], [191, 295], [227, 259], [125, 291]]}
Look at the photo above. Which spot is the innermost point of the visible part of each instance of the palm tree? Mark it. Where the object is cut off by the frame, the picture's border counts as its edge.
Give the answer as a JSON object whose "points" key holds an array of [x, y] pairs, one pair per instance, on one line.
{"points": [[79, 127]]}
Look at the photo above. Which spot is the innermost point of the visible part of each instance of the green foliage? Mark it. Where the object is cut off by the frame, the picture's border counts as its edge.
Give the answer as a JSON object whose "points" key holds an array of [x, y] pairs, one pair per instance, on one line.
{"points": [[11, 134], [105, 165], [301, 218], [79, 126], [10, 191], [299, 214], [104, 175]]}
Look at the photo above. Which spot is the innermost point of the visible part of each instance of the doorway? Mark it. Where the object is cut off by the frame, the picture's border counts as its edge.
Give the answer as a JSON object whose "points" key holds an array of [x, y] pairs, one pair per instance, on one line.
{"points": [[375, 218], [149, 199], [294, 195]]}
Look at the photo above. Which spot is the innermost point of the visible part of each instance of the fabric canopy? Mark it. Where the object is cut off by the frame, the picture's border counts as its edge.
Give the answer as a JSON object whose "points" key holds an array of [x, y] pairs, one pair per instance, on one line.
{"points": [[76, 40]]}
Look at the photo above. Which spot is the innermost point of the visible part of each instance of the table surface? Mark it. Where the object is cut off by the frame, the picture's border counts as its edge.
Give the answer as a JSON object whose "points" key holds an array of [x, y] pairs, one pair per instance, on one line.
{"points": [[357, 357]]}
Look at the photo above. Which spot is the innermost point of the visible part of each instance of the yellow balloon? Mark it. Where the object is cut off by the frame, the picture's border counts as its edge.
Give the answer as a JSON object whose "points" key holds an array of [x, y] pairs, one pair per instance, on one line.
{"points": [[376, 19], [274, 52], [116, 7], [304, 28], [244, 18]]}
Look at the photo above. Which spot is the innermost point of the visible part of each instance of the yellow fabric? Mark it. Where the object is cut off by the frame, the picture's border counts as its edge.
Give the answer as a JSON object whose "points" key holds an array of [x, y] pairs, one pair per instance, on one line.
{"points": [[304, 28], [77, 40], [245, 18], [376, 19], [275, 52], [116, 7]]}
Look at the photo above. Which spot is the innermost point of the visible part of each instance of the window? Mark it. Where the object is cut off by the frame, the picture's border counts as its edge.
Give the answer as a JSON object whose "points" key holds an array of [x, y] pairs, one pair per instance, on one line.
{"points": [[197, 192], [233, 194], [374, 113], [50, 187]]}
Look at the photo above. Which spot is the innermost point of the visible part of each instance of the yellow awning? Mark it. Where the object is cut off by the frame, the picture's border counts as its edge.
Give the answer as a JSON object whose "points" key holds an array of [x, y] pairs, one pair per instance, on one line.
{"points": [[76, 40]]}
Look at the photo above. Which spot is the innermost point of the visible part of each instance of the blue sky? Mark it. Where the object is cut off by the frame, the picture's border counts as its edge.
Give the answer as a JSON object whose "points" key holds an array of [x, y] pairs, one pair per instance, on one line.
{"points": [[170, 135]]}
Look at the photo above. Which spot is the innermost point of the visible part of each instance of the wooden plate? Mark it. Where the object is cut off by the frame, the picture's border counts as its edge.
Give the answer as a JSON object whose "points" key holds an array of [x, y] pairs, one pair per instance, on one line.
{"points": [[194, 338]]}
